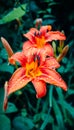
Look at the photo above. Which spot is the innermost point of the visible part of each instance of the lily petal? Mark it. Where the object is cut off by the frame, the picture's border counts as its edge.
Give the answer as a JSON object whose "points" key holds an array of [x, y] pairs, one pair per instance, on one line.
{"points": [[40, 87], [30, 49], [47, 50], [51, 63], [53, 77], [31, 34], [34, 30], [55, 35], [19, 56], [17, 81], [27, 45], [44, 29]]}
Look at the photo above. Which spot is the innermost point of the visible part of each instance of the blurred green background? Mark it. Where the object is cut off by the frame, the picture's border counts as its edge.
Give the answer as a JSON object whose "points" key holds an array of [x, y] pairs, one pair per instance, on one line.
{"points": [[55, 111]]}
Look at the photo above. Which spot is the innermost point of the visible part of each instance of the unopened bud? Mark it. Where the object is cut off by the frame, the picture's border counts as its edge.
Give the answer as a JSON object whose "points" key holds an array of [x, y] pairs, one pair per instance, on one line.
{"points": [[38, 22], [63, 53], [7, 46], [5, 96]]}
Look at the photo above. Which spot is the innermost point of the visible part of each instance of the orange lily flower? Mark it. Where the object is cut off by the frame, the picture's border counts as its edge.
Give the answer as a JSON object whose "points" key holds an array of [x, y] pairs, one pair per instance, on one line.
{"points": [[37, 71], [38, 40]]}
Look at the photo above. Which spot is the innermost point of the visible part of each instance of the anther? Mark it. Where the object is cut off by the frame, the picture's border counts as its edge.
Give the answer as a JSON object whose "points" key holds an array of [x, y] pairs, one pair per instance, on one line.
{"points": [[35, 33]]}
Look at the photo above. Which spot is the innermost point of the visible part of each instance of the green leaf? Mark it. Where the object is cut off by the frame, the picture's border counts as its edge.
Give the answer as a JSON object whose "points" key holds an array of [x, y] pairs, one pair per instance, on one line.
{"points": [[46, 1], [50, 118], [6, 68], [45, 106], [43, 116], [14, 14], [1, 61], [69, 108], [49, 20], [49, 10], [55, 127], [50, 95], [4, 123], [69, 66], [24, 112], [47, 119], [37, 117], [38, 105], [18, 93], [22, 123], [49, 16], [1, 99], [54, 3], [61, 99], [70, 92], [65, 60], [11, 108], [58, 114], [61, 69], [3, 54]]}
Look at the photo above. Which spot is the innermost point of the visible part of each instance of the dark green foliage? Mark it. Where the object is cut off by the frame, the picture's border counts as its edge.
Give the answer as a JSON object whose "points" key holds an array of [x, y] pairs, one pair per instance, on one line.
{"points": [[4, 123], [55, 111]]}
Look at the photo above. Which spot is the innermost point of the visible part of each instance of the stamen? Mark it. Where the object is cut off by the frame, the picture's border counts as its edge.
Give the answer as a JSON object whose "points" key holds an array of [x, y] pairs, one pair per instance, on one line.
{"points": [[35, 33], [47, 30], [39, 34], [37, 58]]}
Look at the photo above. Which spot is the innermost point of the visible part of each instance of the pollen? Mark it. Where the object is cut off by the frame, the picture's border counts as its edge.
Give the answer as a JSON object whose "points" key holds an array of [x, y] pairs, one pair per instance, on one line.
{"points": [[40, 41], [32, 69]]}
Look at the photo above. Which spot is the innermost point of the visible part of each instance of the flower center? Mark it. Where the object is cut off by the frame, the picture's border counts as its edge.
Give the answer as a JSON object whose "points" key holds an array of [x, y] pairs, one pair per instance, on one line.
{"points": [[32, 69], [40, 41]]}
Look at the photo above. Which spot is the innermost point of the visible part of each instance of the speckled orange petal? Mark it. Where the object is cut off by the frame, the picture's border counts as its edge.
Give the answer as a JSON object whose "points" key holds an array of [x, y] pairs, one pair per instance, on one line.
{"points": [[34, 30], [27, 45], [55, 35], [40, 87], [31, 34], [47, 50], [44, 29], [52, 77], [29, 50], [51, 63], [17, 81], [20, 57]]}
